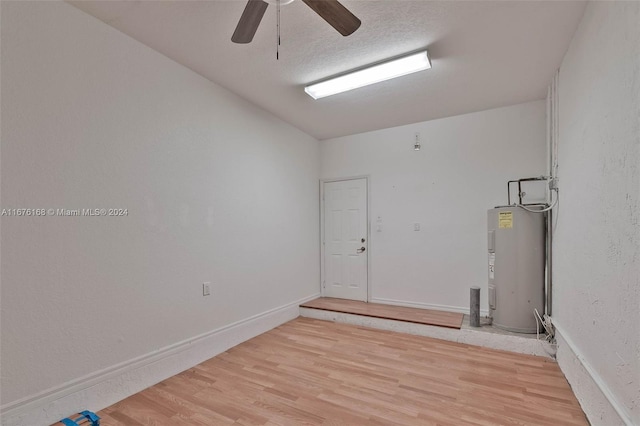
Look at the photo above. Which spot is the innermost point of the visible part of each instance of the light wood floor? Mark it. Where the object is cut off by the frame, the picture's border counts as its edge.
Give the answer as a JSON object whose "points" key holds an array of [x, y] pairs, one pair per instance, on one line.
{"points": [[311, 372], [378, 310]]}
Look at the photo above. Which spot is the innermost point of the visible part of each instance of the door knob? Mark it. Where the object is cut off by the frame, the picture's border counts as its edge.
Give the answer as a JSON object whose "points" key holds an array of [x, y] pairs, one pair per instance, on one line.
{"points": [[360, 250]]}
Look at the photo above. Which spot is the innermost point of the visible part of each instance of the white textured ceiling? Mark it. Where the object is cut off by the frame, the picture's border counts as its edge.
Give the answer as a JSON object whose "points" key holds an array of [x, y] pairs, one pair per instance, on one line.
{"points": [[485, 54]]}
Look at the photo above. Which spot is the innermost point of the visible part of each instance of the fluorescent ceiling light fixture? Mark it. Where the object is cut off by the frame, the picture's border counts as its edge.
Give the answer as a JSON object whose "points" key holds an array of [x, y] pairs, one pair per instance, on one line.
{"points": [[370, 75]]}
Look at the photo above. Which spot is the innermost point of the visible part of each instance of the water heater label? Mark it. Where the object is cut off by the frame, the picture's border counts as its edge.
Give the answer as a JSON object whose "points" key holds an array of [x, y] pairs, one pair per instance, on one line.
{"points": [[492, 264], [505, 220]]}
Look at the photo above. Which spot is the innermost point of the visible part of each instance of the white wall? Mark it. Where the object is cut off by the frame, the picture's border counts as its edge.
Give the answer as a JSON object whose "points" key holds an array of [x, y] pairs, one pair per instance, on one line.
{"points": [[216, 190], [597, 234], [447, 187]]}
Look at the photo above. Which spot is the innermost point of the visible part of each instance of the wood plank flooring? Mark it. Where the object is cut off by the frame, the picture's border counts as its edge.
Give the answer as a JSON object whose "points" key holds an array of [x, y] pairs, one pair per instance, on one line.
{"points": [[312, 372], [378, 310]]}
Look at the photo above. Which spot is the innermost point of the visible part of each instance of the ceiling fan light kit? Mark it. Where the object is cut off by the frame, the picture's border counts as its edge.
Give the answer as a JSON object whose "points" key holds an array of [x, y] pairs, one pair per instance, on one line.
{"points": [[375, 73]]}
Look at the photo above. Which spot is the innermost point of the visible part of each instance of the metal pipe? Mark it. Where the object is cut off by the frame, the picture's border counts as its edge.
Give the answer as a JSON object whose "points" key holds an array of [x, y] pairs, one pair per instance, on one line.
{"points": [[548, 302], [519, 182], [520, 192]]}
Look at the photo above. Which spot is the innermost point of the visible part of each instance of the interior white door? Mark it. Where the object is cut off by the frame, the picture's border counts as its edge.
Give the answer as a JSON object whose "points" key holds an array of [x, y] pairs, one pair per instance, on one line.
{"points": [[345, 239]]}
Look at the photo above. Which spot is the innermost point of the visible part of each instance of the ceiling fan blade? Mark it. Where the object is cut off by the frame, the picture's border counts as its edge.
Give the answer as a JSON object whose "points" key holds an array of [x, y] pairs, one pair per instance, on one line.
{"points": [[335, 14], [249, 21]]}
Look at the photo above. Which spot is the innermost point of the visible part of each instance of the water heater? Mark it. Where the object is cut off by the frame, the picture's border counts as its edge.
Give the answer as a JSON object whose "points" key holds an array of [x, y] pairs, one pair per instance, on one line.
{"points": [[516, 267]]}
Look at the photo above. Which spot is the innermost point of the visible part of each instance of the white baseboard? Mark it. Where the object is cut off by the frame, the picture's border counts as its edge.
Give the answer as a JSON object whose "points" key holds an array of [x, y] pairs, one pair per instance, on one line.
{"points": [[106, 387], [446, 308], [596, 399], [505, 342]]}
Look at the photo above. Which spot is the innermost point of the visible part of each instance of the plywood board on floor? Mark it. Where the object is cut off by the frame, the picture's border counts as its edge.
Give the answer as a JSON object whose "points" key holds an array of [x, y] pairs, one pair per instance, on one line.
{"points": [[378, 310], [312, 372]]}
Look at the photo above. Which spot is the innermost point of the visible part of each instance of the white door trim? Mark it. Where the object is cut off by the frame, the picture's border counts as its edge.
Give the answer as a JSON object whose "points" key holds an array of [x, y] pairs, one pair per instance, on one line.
{"points": [[367, 178]]}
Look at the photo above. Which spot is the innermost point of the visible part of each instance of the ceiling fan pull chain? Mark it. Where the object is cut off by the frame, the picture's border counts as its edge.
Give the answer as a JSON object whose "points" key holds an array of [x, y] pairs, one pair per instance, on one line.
{"points": [[278, 31]]}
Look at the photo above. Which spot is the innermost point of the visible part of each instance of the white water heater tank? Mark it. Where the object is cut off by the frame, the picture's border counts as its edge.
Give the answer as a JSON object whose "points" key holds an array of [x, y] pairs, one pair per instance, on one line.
{"points": [[516, 261]]}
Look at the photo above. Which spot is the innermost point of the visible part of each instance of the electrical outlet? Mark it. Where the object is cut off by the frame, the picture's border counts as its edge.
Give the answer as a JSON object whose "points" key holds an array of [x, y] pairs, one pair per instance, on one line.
{"points": [[206, 289], [416, 226]]}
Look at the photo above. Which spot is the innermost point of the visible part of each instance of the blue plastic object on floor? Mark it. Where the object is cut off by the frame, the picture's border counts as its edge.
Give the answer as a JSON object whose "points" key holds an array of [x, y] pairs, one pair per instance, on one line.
{"points": [[83, 418]]}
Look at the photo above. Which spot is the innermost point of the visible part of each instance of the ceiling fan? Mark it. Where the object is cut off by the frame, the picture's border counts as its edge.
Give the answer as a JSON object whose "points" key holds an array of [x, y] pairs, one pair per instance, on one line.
{"points": [[331, 11]]}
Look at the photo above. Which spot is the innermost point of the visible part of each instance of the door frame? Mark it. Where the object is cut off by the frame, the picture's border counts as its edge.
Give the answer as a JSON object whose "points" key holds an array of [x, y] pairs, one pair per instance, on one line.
{"points": [[367, 179]]}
